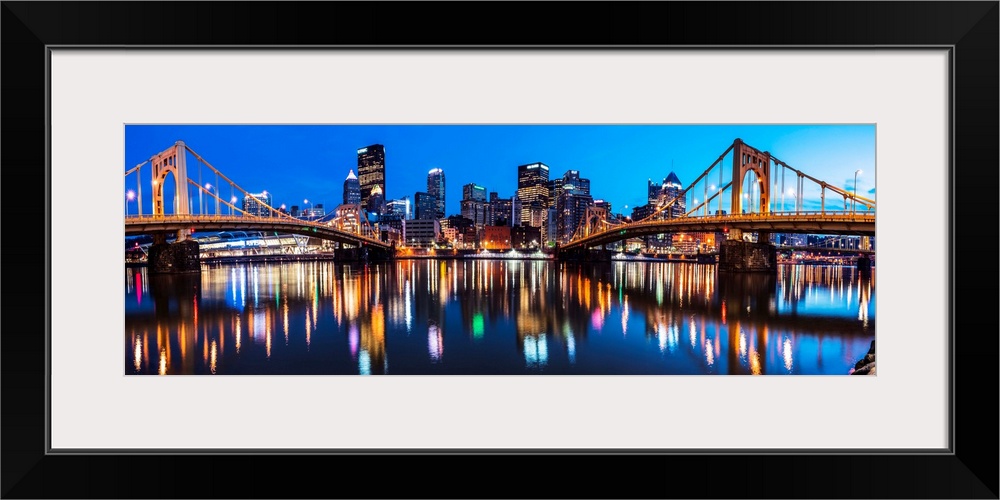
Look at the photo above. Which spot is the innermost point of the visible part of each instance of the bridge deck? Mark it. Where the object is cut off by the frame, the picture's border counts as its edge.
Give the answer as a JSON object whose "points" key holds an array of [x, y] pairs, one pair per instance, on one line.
{"points": [[860, 224], [146, 224]]}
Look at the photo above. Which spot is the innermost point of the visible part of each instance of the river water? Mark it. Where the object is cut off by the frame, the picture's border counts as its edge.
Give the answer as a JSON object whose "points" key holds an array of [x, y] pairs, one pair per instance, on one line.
{"points": [[492, 317]]}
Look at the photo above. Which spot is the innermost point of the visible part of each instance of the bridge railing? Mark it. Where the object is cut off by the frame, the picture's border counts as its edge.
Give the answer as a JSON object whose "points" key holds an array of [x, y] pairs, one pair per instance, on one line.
{"points": [[244, 219], [810, 216], [228, 218], [834, 215]]}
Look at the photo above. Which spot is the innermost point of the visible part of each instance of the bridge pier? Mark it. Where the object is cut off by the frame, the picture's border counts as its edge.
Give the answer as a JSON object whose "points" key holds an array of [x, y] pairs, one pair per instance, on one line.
{"points": [[746, 256], [865, 265], [173, 258]]}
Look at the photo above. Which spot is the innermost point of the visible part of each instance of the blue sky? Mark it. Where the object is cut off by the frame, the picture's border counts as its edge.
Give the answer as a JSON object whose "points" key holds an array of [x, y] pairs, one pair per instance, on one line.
{"points": [[297, 162]]}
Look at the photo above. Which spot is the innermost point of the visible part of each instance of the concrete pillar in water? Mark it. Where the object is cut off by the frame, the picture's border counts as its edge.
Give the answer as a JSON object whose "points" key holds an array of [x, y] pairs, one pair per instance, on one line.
{"points": [[174, 258], [865, 265], [747, 256]]}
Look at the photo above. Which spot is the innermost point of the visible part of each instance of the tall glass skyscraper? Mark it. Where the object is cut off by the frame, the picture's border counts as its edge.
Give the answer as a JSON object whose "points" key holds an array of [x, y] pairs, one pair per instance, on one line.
{"points": [[474, 205], [435, 188], [532, 189], [352, 189], [672, 188], [400, 207], [659, 194], [473, 192], [371, 170], [571, 204], [376, 202], [426, 206]]}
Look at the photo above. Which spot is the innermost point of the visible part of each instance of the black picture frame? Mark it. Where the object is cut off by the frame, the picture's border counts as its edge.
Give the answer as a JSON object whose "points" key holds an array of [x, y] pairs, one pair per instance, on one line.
{"points": [[970, 29]]}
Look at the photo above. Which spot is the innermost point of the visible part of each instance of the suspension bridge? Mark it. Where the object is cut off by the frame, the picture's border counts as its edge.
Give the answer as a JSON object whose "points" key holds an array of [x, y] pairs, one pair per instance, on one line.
{"points": [[757, 205], [350, 228]]}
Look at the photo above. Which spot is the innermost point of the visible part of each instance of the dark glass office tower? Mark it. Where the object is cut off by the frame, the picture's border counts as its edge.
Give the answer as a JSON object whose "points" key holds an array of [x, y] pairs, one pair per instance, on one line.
{"points": [[435, 188], [352, 190], [371, 170]]}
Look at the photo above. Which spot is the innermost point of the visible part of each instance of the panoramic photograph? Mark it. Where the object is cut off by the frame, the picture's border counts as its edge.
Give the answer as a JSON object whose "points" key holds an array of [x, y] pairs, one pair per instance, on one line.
{"points": [[499, 249]]}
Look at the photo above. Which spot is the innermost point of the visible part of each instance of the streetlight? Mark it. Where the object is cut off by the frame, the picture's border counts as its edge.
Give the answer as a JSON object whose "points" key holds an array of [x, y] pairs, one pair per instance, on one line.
{"points": [[231, 203], [854, 199], [129, 196], [310, 208]]}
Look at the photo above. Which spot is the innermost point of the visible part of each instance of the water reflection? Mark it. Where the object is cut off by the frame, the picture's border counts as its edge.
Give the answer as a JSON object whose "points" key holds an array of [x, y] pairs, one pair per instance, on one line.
{"points": [[497, 317], [435, 343]]}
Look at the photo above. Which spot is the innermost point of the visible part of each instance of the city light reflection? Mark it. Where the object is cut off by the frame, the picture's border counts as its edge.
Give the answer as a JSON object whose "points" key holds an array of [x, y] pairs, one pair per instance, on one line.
{"points": [[786, 353], [375, 307], [137, 353], [163, 361], [435, 344], [213, 359]]}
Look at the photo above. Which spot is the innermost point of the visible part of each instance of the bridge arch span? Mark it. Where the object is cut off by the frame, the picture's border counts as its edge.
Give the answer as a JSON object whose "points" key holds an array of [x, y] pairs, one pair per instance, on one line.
{"points": [[749, 160], [753, 187], [171, 161]]}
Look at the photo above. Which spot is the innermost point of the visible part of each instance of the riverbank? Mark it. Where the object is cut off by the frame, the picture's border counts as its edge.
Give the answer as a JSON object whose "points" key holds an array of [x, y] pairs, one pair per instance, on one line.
{"points": [[866, 365]]}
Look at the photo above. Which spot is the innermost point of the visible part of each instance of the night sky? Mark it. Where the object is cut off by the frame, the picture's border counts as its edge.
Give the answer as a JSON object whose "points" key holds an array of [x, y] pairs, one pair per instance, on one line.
{"points": [[298, 162]]}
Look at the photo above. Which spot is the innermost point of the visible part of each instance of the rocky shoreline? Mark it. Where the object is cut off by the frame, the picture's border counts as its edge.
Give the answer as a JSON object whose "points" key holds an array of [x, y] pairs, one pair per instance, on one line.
{"points": [[866, 366]]}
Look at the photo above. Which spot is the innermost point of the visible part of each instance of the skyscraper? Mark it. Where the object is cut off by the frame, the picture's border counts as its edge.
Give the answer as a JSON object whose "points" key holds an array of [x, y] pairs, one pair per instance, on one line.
{"points": [[572, 180], [376, 202], [555, 190], [473, 192], [672, 188], [400, 207], [653, 191], [371, 170], [571, 206], [352, 190], [427, 207], [532, 190], [474, 205], [502, 211], [435, 188], [659, 194]]}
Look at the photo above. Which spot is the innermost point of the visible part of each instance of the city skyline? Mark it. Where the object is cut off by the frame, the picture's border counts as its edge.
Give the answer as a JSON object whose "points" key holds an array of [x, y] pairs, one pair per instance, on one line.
{"points": [[297, 162], [545, 317]]}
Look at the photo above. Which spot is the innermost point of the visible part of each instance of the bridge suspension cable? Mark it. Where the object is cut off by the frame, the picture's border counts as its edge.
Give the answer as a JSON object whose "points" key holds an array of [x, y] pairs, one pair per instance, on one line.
{"points": [[273, 216], [705, 203], [683, 192], [867, 202], [271, 210], [766, 179], [138, 184]]}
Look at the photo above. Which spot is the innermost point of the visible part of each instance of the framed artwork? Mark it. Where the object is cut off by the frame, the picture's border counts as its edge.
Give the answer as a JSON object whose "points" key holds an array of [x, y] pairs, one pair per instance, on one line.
{"points": [[348, 238]]}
